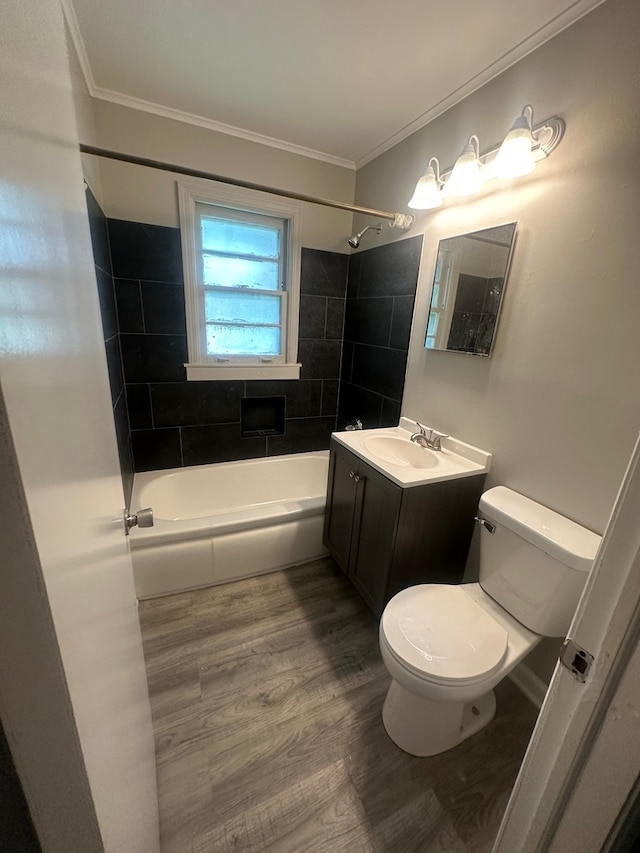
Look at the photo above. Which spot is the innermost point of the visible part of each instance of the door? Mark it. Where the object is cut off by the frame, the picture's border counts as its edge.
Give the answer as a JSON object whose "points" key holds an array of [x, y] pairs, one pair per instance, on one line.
{"points": [[73, 696], [584, 755]]}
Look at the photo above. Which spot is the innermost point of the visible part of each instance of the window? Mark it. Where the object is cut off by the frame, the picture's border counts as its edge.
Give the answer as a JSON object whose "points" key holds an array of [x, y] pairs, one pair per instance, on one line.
{"points": [[437, 326], [241, 257]]}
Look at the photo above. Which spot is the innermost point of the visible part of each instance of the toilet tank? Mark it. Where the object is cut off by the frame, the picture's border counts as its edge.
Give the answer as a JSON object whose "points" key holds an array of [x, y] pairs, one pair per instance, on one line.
{"points": [[535, 562]]}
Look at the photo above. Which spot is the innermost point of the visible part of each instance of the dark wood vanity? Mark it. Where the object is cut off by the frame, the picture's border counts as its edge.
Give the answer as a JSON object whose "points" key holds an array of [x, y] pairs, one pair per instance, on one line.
{"points": [[386, 538]]}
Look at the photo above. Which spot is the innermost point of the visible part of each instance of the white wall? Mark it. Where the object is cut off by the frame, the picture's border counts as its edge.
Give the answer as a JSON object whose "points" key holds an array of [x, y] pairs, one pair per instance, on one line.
{"points": [[73, 694], [486, 260], [145, 195], [558, 403]]}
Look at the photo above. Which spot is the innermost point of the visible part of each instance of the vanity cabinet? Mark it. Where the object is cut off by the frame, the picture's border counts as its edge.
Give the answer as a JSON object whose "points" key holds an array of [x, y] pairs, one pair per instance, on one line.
{"points": [[386, 538]]}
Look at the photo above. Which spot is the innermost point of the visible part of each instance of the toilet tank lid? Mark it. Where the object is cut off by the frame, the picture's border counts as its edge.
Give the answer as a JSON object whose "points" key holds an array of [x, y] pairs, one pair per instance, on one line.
{"points": [[561, 538]]}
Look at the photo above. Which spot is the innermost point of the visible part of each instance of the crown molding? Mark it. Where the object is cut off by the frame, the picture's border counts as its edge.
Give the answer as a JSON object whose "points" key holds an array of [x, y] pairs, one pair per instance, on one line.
{"points": [[217, 126], [103, 94], [552, 28], [78, 43]]}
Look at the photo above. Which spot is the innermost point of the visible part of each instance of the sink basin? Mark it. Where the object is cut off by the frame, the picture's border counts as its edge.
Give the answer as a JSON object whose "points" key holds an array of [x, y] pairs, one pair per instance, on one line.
{"points": [[400, 451], [391, 452]]}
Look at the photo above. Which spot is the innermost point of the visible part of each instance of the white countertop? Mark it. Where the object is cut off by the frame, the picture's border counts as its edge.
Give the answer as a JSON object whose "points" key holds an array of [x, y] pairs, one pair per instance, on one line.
{"points": [[391, 452]]}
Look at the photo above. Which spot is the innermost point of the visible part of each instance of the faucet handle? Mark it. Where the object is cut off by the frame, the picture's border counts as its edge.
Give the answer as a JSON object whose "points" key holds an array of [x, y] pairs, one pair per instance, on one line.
{"points": [[423, 430], [435, 439], [440, 435]]}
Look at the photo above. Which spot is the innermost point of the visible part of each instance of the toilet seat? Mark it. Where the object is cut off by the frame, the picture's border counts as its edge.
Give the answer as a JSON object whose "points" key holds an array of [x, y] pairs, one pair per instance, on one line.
{"points": [[438, 632]]}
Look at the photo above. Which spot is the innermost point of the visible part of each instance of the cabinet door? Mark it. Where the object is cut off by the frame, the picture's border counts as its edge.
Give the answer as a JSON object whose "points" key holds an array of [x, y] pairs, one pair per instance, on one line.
{"points": [[339, 513], [434, 532], [377, 511]]}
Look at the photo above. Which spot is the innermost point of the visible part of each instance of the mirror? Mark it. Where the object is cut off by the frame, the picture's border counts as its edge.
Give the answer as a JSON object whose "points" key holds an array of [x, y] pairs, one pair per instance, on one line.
{"points": [[468, 284]]}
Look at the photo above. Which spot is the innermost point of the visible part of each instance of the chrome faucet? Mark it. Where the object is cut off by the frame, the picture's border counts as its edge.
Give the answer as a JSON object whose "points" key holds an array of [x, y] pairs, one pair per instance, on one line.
{"points": [[433, 440], [420, 437]]}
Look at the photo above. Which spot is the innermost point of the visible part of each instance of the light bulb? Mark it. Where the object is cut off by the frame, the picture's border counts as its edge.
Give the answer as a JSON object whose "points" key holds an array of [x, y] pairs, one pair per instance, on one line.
{"points": [[514, 157], [466, 177], [426, 195]]}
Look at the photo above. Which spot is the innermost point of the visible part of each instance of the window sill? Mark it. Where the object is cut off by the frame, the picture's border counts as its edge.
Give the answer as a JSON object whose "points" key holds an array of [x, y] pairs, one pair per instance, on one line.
{"points": [[207, 372]]}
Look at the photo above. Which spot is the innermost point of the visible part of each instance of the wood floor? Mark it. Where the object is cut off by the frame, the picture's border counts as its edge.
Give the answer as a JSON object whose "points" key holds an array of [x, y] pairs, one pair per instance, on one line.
{"points": [[266, 697]]}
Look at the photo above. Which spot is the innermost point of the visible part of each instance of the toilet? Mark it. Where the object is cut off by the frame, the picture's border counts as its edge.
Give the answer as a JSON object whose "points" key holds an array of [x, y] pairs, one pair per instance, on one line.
{"points": [[446, 647]]}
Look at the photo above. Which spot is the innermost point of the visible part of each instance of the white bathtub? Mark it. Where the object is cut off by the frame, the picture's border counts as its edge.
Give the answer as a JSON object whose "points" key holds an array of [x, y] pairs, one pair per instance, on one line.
{"points": [[216, 523]]}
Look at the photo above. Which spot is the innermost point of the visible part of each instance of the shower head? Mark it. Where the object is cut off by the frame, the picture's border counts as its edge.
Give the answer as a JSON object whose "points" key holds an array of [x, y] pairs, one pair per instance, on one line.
{"points": [[354, 242]]}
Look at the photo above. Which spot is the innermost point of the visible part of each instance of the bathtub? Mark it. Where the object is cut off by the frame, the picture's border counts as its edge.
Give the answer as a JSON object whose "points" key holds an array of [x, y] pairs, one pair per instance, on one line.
{"points": [[231, 520]]}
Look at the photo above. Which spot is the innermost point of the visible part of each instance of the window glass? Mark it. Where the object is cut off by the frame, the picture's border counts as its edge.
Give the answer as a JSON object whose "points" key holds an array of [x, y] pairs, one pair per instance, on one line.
{"points": [[224, 271], [241, 238], [231, 307], [241, 254], [242, 340], [240, 261]]}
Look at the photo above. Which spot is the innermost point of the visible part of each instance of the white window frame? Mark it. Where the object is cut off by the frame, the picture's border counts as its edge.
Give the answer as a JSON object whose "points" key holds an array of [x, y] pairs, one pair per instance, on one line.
{"points": [[201, 366]]}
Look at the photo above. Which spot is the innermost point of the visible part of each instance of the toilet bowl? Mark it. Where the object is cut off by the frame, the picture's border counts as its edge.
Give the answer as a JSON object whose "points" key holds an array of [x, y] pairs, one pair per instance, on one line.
{"points": [[451, 668], [446, 647]]}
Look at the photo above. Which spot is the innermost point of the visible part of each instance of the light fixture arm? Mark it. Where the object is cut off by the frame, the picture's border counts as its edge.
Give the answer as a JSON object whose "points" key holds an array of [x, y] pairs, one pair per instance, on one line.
{"points": [[554, 127], [436, 170]]}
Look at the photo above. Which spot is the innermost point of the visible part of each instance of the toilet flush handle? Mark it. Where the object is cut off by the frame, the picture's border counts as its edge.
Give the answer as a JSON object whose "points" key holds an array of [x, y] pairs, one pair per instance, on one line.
{"points": [[486, 524]]}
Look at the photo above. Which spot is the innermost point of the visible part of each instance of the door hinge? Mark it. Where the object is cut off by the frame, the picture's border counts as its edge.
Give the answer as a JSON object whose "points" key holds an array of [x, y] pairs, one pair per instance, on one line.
{"points": [[576, 659]]}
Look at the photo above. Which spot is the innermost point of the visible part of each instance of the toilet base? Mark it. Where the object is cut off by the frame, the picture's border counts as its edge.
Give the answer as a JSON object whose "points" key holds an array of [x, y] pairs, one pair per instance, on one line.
{"points": [[422, 727]]}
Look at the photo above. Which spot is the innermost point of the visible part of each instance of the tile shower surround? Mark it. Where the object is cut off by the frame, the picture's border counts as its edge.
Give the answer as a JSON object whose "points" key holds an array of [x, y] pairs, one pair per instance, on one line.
{"points": [[175, 422], [163, 421], [475, 313], [106, 296], [381, 291]]}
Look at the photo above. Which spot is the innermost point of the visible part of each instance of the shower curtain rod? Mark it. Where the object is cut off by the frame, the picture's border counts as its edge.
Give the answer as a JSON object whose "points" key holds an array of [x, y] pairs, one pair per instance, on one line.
{"points": [[398, 220]]}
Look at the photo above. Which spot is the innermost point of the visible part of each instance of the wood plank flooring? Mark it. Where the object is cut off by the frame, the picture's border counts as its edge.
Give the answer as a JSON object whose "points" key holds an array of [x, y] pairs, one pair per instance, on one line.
{"points": [[266, 697]]}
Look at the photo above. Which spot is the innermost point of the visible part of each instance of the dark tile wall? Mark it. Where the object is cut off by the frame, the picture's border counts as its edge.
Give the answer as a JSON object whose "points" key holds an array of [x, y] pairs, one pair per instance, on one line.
{"points": [[474, 317], [381, 291], [106, 295], [175, 422]]}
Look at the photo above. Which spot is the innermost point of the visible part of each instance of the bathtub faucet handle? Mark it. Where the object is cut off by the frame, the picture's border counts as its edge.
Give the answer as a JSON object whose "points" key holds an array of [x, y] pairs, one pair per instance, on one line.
{"points": [[142, 518]]}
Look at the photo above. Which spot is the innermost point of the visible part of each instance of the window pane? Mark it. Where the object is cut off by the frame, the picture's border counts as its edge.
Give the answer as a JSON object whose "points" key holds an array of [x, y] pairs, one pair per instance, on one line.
{"points": [[237, 272], [432, 325], [240, 238], [242, 340], [241, 307]]}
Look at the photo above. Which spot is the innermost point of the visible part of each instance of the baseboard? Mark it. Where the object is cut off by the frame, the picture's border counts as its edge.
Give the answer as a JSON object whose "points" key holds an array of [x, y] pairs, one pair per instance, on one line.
{"points": [[529, 683]]}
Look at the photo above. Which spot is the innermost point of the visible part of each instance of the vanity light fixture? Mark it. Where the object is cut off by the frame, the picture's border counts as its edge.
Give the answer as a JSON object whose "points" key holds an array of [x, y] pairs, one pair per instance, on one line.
{"points": [[515, 157], [427, 193], [522, 148], [466, 177]]}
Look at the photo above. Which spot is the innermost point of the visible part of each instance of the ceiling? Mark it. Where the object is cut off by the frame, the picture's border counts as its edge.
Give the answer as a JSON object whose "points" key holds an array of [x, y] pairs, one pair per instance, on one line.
{"points": [[341, 80]]}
